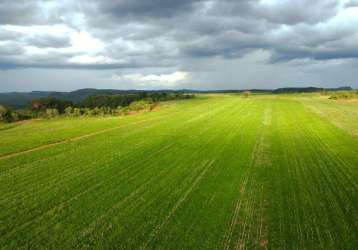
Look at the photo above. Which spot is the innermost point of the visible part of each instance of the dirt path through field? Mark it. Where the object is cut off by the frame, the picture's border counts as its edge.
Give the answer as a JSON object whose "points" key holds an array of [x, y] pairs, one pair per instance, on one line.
{"points": [[73, 139]]}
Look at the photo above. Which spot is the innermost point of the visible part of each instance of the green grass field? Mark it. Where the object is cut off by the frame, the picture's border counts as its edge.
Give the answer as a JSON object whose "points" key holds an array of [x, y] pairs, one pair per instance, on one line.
{"points": [[216, 172]]}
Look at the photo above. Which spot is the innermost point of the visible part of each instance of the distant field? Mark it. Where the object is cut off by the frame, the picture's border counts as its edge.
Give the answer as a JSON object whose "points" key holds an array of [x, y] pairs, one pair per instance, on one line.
{"points": [[215, 172]]}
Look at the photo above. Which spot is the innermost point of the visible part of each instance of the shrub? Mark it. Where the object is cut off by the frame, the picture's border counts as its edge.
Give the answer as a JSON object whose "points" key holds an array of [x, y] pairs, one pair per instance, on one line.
{"points": [[113, 101], [6, 115], [42, 104], [69, 111], [344, 95], [140, 105], [96, 111], [121, 104], [24, 114], [124, 111], [51, 113], [246, 93], [86, 111], [76, 112], [14, 117], [3, 112]]}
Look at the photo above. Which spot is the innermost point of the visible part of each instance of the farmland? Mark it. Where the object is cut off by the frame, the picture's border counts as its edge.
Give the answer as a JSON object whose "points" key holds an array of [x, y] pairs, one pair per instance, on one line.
{"points": [[215, 172]]}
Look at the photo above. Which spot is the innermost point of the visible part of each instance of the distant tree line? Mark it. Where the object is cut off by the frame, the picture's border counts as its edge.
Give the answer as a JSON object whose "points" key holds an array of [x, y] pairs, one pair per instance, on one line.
{"points": [[338, 95], [123, 100], [42, 104], [9, 115], [118, 104]]}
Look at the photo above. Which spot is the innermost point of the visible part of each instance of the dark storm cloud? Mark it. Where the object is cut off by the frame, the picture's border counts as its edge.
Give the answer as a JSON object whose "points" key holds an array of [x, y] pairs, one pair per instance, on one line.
{"points": [[188, 28], [224, 28], [57, 65], [18, 12], [229, 44], [10, 49], [6, 35], [137, 35], [36, 12], [48, 41], [281, 12], [298, 11], [287, 54], [139, 8]]}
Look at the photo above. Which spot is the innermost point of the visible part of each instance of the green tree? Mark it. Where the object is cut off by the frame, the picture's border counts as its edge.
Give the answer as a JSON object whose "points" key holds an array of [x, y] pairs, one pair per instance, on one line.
{"points": [[246, 93], [6, 114], [69, 111], [51, 113], [87, 111], [76, 112], [3, 111], [44, 103], [96, 111]]}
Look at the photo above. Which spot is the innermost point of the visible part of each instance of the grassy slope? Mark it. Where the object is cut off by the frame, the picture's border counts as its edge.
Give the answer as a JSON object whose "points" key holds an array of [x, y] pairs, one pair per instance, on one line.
{"points": [[34, 133], [223, 172], [342, 113]]}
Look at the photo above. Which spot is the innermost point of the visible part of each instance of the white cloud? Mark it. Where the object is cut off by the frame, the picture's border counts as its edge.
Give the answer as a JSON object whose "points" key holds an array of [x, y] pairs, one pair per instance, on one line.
{"points": [[85, 42], [168, 80], [86, 59]]}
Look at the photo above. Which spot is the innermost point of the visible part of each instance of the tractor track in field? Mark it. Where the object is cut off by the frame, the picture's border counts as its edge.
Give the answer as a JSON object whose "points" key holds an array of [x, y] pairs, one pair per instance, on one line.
{"points": [[187, 192], [85, 136], [235, 174], [73, 139], [197, 179], [128, 124], [76, 196], [141, 188], [251, 199]]}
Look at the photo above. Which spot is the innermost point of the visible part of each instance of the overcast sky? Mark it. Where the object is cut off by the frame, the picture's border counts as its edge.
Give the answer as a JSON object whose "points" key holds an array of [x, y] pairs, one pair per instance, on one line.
{"points": [[156, 44]]}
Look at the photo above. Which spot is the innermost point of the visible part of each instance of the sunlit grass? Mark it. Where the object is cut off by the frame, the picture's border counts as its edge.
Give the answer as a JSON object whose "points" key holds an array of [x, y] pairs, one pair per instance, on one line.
{"points": [[218, 172]]}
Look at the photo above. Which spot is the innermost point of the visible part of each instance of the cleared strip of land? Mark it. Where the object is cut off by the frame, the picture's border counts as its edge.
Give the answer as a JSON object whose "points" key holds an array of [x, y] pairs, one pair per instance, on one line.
{"points": [[221, 172]]}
